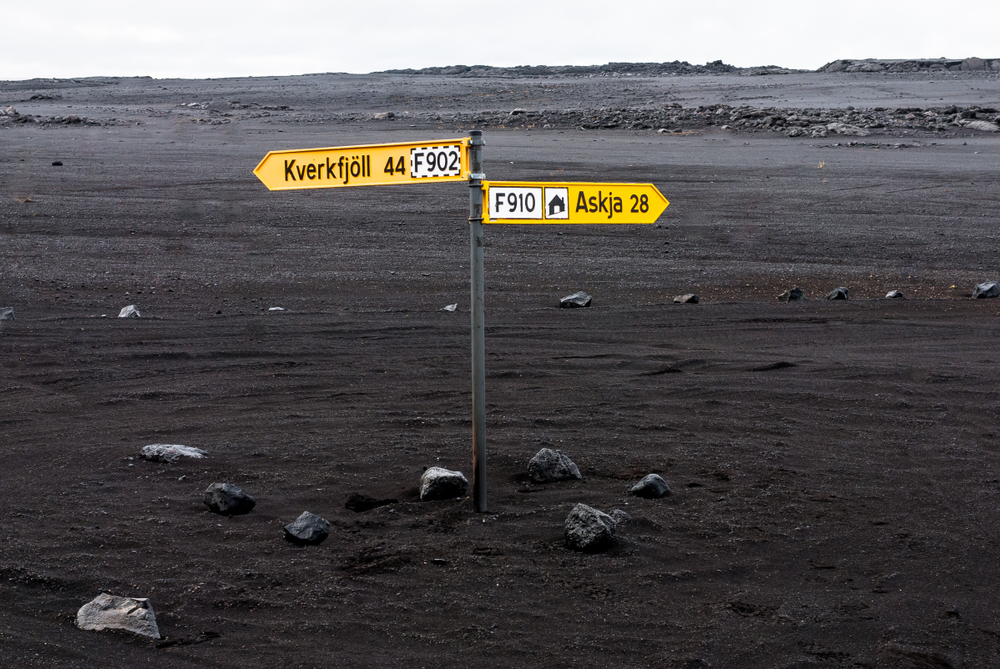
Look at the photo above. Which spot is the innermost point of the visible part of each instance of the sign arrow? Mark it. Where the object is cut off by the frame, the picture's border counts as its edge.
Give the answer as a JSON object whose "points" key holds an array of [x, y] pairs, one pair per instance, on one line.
{"points": [[366, 165], [572, 203]]}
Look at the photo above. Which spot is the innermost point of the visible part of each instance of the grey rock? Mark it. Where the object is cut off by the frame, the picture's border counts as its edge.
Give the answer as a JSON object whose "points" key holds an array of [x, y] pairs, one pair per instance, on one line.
{"points": [[575, 301], [974, 65], [121, 613], [988, 289], [308, 528], [6, 313], [838, 294], [441, 483], [983, 126], [550, 465], [792, 295], [689, 298], [894, 295], [129, 312], [652, 486], [228, 500], [620, 516], [588, 529], [847, 130], [170, 452]]}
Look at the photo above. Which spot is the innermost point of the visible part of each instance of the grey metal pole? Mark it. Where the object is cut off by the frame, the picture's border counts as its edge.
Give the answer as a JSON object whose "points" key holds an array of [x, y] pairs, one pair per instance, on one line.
{"points": [[476, 177]]}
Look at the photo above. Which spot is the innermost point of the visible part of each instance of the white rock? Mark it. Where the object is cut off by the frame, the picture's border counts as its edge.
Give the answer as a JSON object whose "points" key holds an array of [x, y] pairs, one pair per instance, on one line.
{"points": [[848, 130], [983, 126], [129, 312], [170, 452], [123, 613], [276, 309], [451, 307]]}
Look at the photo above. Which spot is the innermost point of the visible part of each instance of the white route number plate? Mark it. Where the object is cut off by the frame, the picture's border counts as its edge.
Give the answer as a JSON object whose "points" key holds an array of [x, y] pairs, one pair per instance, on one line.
{"points": [[526, 203], [436, 161]]}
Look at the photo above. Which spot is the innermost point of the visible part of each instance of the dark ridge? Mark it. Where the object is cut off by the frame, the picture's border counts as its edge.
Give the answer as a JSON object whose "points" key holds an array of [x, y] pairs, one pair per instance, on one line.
{"points": [[776, 365], [914, 65], [674, 68]]}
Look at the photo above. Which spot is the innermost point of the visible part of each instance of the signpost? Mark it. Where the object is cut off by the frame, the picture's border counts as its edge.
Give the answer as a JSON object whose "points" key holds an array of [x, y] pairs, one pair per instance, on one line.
{"points": [[366, 165], [511, 202], [572, 203]]}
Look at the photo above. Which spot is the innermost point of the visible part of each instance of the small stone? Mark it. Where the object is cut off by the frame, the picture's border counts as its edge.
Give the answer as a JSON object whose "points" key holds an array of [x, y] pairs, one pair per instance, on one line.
{"points": [[588, 529], [652, 486], [450, 307], [6, 313], [122, 613], [838, 294], [57, 163], [129, 312], [689, 298], [276, 309], [982, 126], [894, 295], [550, 465], [228, 500], [792, 295], [441, 483], [308, 528], [170, 452], [575, 301], [986, 290]]}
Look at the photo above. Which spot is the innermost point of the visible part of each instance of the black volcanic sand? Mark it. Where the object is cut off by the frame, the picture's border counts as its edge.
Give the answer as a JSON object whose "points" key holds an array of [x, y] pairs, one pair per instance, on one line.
{"points": [[835, 466]]}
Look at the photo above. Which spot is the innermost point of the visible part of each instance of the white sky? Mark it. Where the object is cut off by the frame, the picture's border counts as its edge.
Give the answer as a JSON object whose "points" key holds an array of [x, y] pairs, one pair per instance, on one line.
{"points": [[218, 38]]}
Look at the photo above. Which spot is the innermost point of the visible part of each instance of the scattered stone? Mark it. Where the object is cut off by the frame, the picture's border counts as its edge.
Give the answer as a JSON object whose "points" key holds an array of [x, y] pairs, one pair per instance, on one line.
{"points": [[170, 452], [652, 486], [228, 500], [986, 290], [689, 298], [441, 483], [120, 613], [129, 312], [983, 126], [450, 307], [575, 301], [894, 295], [838, 294], [792, 295], [549, 465], [307, 529], [359, 503], [6, 313], [588, 529]]}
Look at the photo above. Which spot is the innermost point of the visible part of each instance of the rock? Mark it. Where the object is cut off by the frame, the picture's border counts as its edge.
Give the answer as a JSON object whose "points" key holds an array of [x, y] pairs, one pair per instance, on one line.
{"points": [[838, 294], [588, 529], [974, 65], [986, 290], [549, 465], [450, 307], [652, 486], [848, 130], [228, 500], [792, 295], [307, 529], [120, 613], [894, 295], [689, 298], [983, 126], [358, 502], [129, 312], [6, 313], [440, 483], [170, 452], [575, 301], [620, 517], [276, 309]]}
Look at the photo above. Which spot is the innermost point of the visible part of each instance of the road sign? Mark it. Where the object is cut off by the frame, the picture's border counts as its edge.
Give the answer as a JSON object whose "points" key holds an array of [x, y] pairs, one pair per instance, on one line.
{"points": [[570, 203], [366, 165]]}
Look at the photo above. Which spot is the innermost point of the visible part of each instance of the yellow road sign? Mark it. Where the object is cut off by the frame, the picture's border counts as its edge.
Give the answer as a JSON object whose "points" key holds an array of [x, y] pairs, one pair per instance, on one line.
{"points": [[366, 165], [569, 203]]}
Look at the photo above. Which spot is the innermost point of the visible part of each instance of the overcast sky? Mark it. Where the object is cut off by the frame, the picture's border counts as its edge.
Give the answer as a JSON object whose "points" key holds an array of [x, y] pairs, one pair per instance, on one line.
{"points": [[206, 38]]}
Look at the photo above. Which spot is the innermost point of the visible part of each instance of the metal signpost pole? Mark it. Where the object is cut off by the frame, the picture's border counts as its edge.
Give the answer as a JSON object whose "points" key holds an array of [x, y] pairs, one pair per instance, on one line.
{"points": [[476, 177]]}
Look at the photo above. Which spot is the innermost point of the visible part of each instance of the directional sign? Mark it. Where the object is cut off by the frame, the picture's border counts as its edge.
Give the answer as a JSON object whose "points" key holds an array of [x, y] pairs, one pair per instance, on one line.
{"points": [[367, 165], [569, 203]]}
